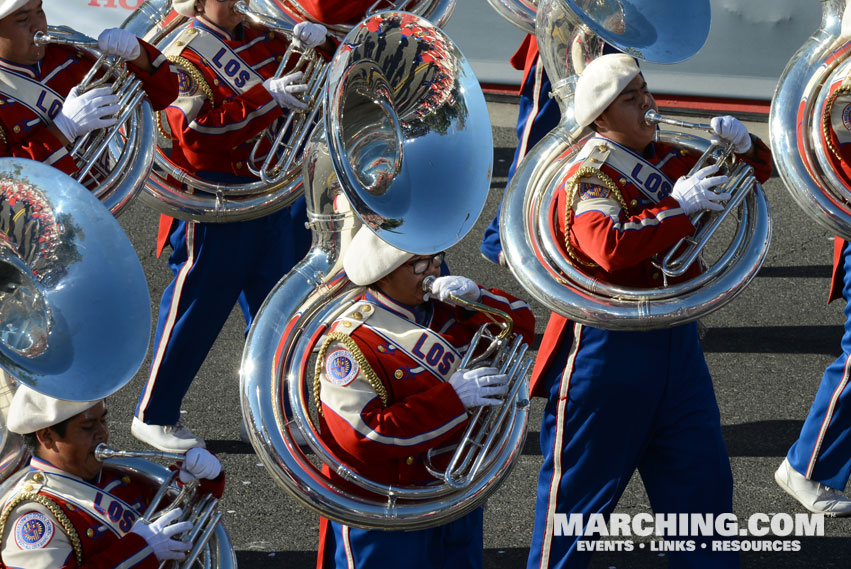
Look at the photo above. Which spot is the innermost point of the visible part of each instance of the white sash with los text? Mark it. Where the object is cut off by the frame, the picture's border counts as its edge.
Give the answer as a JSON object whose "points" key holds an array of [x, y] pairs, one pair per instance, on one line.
{"points": [[40, 99], [223, 61], [112, 512], [651, 181], [422, 345]]}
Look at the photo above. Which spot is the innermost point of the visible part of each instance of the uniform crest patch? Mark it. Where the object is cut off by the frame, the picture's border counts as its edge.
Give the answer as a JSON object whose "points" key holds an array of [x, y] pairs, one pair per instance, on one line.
{"points": [[846, 117], [341, 367], [592, 191], [187, 85], [33, 531]]}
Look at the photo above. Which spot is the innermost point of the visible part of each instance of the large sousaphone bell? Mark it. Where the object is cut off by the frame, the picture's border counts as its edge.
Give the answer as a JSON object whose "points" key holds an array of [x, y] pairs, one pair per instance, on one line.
{"points": [[810, 102], [75, 313], [409, 146], [570, 35]]}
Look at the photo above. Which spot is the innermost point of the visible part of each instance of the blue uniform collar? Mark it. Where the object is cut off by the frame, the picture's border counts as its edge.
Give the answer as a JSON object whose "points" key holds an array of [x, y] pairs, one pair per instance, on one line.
{"points": [[421, 314]]}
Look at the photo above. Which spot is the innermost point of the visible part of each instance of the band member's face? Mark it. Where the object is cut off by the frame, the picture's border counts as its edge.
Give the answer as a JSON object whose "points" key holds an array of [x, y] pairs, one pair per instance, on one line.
{"points": [[222, 14], [623, 120], [402, 285], [75, 451], [17, 31]]}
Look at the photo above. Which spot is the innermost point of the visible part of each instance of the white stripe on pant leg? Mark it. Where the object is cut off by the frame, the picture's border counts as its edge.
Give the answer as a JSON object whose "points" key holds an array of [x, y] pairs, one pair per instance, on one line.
{"points": [[172, 317], [347, 547], [557, 446], [834, 400], [530, 118]]}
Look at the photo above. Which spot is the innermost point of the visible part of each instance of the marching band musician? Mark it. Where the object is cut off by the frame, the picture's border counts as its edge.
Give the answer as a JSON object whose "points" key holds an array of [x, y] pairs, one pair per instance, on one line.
{"points": [[390, 390], [227, 98], [818, 464], [70, 511], [621, 400], [42, 112]]}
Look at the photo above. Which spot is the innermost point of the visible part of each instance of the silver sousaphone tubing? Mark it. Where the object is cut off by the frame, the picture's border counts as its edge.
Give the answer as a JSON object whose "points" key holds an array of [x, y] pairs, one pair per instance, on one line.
{"points": [[410, 147], [572, 34]]}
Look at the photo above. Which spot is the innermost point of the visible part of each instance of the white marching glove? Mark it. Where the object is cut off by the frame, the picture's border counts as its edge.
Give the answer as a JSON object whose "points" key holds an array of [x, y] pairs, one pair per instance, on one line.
{"points": [[160, 535], [199, 463], [480, 386], [84, 113], [731, 129], [120, 43], [695, 192], [284, 90], [442, 287], [307, 35]]}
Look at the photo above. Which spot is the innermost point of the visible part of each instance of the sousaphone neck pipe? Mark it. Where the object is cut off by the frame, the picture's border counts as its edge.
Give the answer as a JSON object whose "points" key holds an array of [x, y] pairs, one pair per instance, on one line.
{"points": [[652, 117], [104, 452]]}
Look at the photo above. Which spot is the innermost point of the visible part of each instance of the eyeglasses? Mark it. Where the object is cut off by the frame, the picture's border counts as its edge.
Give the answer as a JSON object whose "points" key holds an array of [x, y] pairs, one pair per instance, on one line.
{"points": [[422, 265]]}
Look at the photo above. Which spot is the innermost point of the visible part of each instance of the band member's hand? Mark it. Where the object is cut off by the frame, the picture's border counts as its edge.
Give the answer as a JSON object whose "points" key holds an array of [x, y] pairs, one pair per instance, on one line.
{"points": [[84, 113], [694, 193], [199, 463], [161, 535], [480, 386], [731, 129], [284, 90], [307, 35], [120, 43], [442, 287]]}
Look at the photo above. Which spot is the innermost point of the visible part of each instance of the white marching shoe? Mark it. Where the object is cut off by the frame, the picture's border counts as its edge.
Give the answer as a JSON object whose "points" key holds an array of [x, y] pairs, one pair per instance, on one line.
{"points": [[167, 438], [814, 496]]}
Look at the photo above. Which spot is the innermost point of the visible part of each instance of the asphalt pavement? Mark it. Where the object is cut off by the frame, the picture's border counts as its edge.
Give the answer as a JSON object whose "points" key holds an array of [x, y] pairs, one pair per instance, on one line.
{"points": [[766, 351]]}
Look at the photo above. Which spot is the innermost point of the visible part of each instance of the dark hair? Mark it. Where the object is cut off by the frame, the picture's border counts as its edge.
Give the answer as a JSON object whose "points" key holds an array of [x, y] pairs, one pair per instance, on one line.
{"points": [[31, 439]]}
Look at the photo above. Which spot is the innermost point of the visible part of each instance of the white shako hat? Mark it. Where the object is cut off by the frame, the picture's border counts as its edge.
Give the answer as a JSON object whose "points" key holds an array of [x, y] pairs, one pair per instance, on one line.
{"points": [[31, 410], [368, 258], [184, 7], [600, 84], [9, 6]]}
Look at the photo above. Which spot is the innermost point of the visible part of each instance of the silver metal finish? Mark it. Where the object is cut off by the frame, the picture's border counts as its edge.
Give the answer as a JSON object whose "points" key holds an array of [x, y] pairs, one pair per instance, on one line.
{"points": [[75, 311], [175, 192], [437, 12], [394, 123], [114, 161], [572, 33], [521, 13], [279, 183], [536, 260], [276, 366], [795, 124]]}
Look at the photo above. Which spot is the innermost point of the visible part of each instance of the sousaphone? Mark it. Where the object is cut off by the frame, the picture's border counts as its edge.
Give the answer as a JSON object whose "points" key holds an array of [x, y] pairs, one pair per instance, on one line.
{"points": [[407, 142], [809, 121], [572, 33]]}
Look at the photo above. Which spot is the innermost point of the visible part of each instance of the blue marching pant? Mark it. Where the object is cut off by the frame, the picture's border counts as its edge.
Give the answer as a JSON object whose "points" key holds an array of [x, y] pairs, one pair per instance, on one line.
{"points": [[215, 265], [823, 450], [456, 544], [621, 401], [538, 115]]}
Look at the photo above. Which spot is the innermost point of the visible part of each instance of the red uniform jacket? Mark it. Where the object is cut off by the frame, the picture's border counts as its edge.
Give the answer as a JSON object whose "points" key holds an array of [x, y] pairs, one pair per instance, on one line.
{"points": [[385, 394], [26, 135], [621, 243]]}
